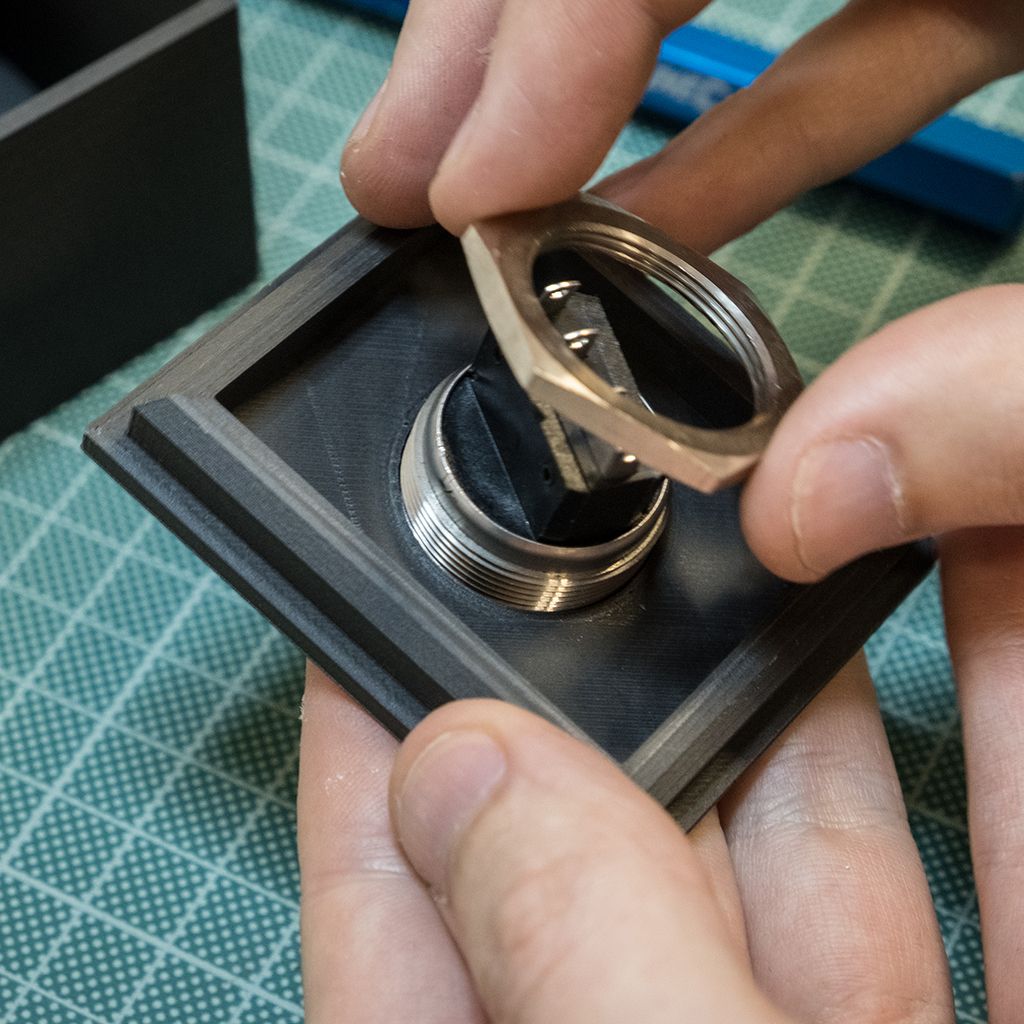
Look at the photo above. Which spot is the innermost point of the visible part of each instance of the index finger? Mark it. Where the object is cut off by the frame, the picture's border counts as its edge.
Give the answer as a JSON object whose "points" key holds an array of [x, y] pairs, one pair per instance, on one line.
{"points": [[845, 93], [513, 104]]}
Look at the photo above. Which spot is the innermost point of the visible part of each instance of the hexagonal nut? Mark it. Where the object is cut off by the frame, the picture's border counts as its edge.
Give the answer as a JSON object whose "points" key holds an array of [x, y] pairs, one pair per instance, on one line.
{"points": [[501, 253]]}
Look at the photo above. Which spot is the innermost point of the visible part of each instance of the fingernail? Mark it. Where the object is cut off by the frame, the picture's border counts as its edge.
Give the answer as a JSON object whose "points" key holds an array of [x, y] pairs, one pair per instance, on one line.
{"points": [[443, 790], [847, 500], [366, 118]]}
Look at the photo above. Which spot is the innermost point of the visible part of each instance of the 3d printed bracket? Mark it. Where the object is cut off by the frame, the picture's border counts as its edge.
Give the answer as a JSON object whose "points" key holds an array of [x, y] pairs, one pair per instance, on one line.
{"points": [[272, 448]]}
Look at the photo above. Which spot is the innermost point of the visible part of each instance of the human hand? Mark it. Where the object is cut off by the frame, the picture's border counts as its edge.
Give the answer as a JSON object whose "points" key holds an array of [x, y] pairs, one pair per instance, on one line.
{"points": [[920, 430], [522, 877], [500, 105], [539, 132]]}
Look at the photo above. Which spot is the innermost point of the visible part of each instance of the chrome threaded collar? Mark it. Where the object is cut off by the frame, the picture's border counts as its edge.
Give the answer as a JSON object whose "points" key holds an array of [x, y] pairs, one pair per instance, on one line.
{"points": [[490, 559]]}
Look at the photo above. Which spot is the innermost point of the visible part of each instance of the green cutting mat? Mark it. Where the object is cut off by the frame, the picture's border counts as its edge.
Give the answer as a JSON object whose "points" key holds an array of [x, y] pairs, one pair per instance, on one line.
{"points": [[149, 718]]}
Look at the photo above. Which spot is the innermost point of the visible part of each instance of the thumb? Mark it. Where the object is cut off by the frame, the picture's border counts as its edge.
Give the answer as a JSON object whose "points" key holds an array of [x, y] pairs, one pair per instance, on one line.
{"points": [[571, 894], [915, 431]]}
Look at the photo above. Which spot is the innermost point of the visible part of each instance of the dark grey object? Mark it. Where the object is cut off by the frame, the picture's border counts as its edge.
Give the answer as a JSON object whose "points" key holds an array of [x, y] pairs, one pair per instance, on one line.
{"points": [[272, 447], [565, 485], [125, 195]]}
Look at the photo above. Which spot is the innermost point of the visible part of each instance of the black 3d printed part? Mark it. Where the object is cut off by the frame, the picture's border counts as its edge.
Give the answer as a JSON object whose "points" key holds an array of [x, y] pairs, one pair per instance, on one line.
{"points": [[272, 448]]}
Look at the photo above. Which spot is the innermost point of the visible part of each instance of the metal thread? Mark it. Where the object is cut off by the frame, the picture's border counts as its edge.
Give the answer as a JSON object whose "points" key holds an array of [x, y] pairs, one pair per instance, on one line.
{"points": [[493, 561]]}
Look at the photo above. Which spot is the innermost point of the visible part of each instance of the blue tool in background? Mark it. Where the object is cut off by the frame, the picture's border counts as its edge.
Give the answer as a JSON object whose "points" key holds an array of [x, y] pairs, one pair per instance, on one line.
{"points": [[953, 165]]}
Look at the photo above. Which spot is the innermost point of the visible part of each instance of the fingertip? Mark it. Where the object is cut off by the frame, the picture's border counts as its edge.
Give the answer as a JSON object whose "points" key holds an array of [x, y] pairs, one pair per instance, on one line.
{"points": [[483, 715], [367, 171], [396, 147], [441, 791], [767, 522], [476, 181], [571, 893], [379, 191], [455, 190], [840, 503], [431, 794], [462, 757], [454, 205], [532, 745], [547, 113], [914, 431], [807, 513]]}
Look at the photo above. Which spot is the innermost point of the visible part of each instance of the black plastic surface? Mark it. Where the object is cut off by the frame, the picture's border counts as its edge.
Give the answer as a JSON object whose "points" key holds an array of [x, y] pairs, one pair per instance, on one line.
{"points": [[340, 419], [125, 195], [272, 447]]}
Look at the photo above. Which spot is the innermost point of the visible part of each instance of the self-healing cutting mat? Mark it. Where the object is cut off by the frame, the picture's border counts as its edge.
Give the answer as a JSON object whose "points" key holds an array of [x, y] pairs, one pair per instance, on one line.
{"points": [[149, 717]]}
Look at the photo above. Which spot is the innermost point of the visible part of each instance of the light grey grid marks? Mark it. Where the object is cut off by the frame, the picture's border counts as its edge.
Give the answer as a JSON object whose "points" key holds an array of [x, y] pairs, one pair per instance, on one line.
{"points": [[83, 906], [288, 102], [200, 897], [135, 832], [75, 763], [901, 264], [82, 909], [26, 987]]}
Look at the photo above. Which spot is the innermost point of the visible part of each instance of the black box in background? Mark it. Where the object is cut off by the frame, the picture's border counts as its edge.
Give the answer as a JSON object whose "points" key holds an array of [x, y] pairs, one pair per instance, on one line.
{"points": [[125, 191]]}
